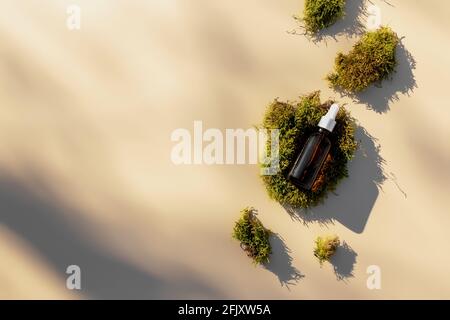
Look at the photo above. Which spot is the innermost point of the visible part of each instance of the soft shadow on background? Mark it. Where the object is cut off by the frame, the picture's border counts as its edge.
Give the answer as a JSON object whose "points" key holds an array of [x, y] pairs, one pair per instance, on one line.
{"points": [[281, 262], [343, 261], [355, 196], [103, 276]]}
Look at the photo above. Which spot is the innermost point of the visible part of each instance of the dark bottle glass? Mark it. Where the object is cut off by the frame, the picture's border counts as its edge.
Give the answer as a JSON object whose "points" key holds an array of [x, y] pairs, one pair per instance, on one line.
{"points": [[312, 157], [310, 160]]}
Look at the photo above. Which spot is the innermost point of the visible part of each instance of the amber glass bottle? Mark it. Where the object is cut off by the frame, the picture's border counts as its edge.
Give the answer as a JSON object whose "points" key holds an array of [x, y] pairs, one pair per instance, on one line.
{"points": [[312, 157]]}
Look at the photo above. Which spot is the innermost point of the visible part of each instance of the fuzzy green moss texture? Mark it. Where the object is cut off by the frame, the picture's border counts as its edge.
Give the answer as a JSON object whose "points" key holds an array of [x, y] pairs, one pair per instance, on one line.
{"points": [[254, 237], [371, 60], [325, 247], [320, 14], [296, 121]]}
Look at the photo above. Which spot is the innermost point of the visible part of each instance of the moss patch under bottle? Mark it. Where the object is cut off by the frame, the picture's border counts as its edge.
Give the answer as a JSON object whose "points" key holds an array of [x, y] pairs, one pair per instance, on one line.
{"points": [[372, 59], [296, 121]]}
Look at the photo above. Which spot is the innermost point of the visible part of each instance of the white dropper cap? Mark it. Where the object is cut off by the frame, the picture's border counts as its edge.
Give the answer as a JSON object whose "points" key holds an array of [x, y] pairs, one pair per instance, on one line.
{"points": [[328, 121]]}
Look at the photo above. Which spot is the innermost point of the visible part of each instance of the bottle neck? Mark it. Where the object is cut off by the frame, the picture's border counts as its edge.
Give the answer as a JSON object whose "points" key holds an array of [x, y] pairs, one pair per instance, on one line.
{"points": [[323, 131]]}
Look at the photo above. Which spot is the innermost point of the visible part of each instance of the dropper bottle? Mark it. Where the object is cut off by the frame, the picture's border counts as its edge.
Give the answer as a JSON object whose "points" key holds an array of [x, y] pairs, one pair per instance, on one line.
{"points": [[312, 157]]}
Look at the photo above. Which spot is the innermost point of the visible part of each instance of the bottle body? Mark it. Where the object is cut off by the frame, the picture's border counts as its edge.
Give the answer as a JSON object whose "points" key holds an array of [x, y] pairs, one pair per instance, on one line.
{"points": [[310, 160]]}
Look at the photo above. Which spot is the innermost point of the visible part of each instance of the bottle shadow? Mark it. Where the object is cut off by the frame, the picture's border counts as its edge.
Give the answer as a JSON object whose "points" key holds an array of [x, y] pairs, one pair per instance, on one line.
{"points": [[343, 261], [281, 263], [355, 196]]}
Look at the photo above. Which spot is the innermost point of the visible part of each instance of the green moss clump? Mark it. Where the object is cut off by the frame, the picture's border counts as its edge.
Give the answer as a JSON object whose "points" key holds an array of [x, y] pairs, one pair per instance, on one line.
{"points": [[325, 247], [371, 60], [296, 121], [254, 237], [320, 14]]}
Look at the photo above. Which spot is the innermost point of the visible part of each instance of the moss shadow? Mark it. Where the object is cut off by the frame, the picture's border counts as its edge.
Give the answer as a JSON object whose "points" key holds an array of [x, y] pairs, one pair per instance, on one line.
{"points": [[378, 97], [351, 25], [280, 263], [343, 262]]}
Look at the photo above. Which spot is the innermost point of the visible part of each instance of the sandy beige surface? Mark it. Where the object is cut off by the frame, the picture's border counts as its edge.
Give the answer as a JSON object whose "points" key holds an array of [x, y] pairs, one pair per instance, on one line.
{"points": [[85, 170]]}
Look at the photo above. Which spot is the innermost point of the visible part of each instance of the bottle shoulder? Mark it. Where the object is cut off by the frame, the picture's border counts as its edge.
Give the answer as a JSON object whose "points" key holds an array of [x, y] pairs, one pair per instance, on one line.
{"points": [[321, 133], [322, 136]]}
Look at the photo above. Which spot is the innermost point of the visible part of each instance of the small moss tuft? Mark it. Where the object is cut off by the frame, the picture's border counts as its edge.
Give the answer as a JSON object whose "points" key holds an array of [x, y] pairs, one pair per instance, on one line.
{"points": [[371, 60], [296, 121], [254, 237], [320, 14], [326, 247]]}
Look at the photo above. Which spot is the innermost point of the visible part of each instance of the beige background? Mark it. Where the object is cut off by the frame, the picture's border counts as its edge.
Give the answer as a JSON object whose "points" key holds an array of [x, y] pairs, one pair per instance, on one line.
{"points": [[85, 170]]}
